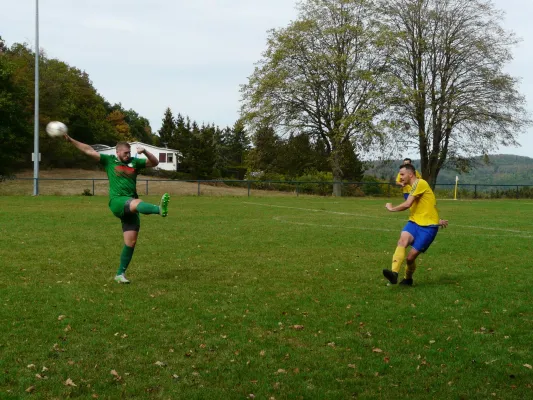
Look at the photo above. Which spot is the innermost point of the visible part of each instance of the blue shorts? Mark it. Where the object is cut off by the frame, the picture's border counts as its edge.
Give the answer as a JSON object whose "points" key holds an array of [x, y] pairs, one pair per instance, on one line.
{"points": [[423, 235], [405, 196]]}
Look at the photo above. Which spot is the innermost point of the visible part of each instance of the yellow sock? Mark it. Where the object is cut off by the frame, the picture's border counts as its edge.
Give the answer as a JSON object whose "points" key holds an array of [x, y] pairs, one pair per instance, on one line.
{"points": [[397, 259], [410, 271]]}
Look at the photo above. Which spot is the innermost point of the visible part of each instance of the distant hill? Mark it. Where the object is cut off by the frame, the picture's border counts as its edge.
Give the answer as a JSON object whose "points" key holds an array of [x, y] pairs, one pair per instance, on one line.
{"points": [[503, 169]]}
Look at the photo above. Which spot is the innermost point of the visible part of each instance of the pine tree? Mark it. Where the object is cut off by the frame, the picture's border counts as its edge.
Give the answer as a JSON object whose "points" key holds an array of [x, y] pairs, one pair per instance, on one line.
{"points": [[168, 128]]}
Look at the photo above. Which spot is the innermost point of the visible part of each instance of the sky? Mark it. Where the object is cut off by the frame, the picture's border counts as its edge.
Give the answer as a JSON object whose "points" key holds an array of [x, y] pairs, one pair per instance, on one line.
{"points": [[190, 55]]}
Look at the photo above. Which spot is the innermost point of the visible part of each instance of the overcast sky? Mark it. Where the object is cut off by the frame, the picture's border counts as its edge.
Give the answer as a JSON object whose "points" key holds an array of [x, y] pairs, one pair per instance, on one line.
{"points": [[189, 55]]}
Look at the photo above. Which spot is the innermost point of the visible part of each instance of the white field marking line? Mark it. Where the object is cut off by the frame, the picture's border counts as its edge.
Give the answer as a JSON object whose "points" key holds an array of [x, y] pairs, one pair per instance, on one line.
{"points": [[316, 210], [280, 219], [491, 229], [371, 216]]}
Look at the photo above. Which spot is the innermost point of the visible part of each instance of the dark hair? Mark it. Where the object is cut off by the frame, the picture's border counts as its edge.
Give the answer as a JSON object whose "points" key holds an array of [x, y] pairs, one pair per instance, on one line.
{"points": [[410, 167], [408, 159], [123, 144]]}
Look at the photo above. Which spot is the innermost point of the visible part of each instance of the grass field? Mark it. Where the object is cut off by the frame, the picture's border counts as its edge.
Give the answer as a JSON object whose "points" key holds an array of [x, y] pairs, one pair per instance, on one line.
{"points": [[266, 298]]}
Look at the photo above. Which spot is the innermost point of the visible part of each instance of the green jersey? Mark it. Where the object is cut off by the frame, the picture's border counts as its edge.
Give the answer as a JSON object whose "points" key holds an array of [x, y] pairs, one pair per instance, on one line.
{"points": [[122, 177]]}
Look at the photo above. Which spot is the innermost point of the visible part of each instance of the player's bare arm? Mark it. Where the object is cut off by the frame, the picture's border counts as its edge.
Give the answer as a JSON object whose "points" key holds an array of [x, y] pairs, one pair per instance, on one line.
{"points": [[443, 223], [152, 160], [402, 207], [84, 148]]}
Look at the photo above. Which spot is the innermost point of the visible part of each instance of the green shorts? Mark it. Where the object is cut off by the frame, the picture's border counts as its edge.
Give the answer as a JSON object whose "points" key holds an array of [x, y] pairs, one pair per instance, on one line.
{"points": [[120, 207]]}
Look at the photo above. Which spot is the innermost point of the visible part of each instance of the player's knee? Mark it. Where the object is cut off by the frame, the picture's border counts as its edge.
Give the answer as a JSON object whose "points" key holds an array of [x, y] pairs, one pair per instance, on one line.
{"points": [[403, 242], [411, 258]]}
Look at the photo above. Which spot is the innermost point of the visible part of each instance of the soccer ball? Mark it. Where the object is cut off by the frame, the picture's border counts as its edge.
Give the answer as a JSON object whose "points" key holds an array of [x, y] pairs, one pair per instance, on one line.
{"points": [[56, 129]]}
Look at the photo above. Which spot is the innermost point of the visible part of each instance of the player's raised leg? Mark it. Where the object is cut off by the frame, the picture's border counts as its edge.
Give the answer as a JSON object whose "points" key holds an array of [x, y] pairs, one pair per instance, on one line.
{"points": [[142, 207]]}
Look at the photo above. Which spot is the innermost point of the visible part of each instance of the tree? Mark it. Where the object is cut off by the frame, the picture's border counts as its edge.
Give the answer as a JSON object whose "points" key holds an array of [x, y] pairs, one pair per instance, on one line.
{"points": [[67, 94], [202, 155], [118, 121], [167, 133], [139, 127], [263, 157], [297, 156], [183, 142], [238, 145], [15, 128], [450, 93], [322, 76]]}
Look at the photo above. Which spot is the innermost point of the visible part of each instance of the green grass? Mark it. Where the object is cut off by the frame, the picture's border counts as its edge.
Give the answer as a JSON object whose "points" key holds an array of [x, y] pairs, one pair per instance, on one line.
{"points": [[219, 286]]}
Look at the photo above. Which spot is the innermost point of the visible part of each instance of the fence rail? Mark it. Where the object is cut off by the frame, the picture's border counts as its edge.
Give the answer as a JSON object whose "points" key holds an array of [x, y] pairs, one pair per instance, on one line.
{"points": [[98, 186]]}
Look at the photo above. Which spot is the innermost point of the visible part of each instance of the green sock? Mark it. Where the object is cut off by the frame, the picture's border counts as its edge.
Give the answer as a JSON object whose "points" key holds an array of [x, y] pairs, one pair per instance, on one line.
{"points": [[145, 208], [125, 258]]}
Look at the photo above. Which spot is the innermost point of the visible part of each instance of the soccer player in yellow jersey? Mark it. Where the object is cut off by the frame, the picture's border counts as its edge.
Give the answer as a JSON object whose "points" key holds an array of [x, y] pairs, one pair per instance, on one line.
{"points": [[421, 229], [406, 187]]}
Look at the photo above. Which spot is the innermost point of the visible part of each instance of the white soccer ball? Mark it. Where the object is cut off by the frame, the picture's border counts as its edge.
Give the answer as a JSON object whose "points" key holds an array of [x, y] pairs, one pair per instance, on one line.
{"points": [[56, 129]]}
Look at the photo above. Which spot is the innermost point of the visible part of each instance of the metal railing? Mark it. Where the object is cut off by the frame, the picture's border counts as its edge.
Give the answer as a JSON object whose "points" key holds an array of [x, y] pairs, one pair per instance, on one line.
{"points": [[99, 186]]}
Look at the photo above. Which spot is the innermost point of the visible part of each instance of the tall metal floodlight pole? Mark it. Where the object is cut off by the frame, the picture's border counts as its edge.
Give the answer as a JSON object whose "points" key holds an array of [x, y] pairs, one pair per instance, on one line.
{"points": [[36, 117]]}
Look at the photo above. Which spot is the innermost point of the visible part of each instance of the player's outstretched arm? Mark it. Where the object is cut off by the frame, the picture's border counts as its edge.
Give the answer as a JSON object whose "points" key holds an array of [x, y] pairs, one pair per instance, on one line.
{"points": [[84, 148], [152, 160]]}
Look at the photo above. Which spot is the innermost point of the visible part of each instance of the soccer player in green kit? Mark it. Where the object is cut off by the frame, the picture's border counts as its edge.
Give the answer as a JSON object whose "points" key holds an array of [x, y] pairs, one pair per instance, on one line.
{"points": [[122, 171]]}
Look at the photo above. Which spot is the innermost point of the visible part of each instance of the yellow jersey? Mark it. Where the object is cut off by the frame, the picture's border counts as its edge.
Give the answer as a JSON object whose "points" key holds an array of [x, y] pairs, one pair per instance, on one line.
{"points": [[423, 211], [407, 188]]}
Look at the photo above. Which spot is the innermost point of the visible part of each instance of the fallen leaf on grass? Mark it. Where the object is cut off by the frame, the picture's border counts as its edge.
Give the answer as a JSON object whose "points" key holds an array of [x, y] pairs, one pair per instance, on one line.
{"points": [[351, 366], [30, 389], [297, 327], [376, 350], [69, 382], [68, 328], [528, 366], [116, 375], [386, 359], [160, 364], [31, 366], [61, 317], [262, 353], [281, 371]]}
